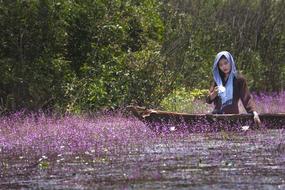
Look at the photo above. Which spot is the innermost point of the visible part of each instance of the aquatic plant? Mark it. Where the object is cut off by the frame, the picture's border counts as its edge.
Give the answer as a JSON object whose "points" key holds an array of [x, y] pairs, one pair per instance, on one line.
{"points": [[270, 102], [43, 134]]}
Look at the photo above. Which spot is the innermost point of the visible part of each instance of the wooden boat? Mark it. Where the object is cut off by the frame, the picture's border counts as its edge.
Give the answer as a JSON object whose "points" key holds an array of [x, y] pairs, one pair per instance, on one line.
{"points": [[172, 121]]}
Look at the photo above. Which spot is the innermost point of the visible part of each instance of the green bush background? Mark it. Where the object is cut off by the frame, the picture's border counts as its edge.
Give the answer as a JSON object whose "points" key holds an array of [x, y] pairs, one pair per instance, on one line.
{"points": [[69, 55]]}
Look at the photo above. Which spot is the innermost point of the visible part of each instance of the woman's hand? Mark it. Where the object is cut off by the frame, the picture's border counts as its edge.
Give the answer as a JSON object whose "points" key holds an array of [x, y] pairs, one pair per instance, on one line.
{"points": [[214, 93], [256, 119]]}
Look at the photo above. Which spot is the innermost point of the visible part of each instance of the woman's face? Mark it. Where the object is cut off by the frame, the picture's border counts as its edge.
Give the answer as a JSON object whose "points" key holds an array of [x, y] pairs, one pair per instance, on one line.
{"points": [[225, 66]]}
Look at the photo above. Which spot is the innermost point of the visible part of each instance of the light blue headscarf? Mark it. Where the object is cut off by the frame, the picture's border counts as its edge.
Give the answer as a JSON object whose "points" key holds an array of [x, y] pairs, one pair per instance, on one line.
{"points": [[225, 92]]}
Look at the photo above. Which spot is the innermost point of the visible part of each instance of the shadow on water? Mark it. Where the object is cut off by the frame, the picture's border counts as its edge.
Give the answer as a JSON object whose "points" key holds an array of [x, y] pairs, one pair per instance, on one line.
{"points": [[252, 160]]}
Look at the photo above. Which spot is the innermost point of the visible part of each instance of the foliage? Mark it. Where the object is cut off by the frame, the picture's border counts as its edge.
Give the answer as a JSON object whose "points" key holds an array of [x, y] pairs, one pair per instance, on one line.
{"points": [[182, 100], [88, 55], [32, 60], [77, 56], [253, 32]]}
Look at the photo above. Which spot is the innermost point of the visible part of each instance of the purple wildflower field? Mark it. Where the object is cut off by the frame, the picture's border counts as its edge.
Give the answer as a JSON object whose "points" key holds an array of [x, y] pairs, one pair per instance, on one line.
{"points": [[270, 102], [115, 150], [41, 134], [44, 134]]}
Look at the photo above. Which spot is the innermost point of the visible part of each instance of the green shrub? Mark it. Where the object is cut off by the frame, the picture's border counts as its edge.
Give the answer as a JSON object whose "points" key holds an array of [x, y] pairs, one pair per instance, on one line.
{"points": [[183, 100]]}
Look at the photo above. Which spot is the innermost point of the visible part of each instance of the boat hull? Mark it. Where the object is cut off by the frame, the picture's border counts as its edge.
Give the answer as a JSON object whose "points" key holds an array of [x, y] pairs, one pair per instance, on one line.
{"points": [[162, 120]]}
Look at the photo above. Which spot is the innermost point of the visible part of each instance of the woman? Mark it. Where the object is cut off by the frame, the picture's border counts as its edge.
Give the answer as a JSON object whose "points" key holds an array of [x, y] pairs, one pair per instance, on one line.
{"points": [[229, 88]]}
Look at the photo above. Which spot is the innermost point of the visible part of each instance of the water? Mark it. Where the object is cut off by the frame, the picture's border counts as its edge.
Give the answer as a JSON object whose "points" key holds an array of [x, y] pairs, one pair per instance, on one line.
{"points": [[247, 160]]}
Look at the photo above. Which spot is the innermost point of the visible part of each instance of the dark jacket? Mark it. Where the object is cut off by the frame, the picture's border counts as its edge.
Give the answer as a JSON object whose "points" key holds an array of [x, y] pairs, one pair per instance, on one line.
{"points": [[240, 92]]}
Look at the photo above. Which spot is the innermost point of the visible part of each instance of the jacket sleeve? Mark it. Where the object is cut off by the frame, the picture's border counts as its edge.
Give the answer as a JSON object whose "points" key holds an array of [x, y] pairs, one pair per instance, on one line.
{"points": [[246, 97]]}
